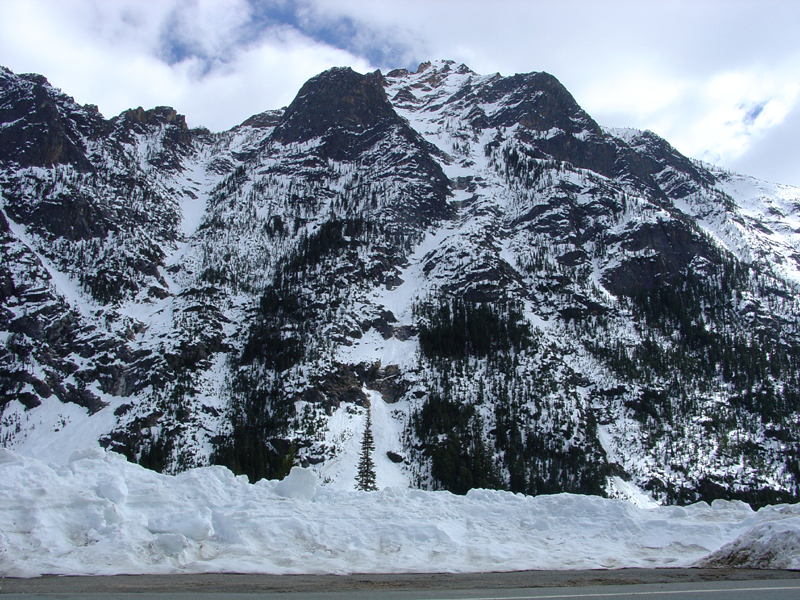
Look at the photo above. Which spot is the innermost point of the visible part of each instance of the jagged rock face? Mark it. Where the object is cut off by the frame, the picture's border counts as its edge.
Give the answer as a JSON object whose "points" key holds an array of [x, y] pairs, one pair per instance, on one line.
{"points": [[339, 99], [160, 115], [665, 250], [42, 126], [97, 211], [87, 211], [347, 118], [521, 298]]}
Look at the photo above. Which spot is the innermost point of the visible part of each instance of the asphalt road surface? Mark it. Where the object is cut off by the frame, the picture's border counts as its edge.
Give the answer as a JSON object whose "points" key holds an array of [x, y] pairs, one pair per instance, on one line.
{"points": [[645, 584]]}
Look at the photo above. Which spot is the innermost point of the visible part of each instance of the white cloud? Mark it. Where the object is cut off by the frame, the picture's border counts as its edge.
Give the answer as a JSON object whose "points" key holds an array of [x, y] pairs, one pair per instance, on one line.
{"points": [[110, 54], [774, 153], [264, 77], [721, 118]]}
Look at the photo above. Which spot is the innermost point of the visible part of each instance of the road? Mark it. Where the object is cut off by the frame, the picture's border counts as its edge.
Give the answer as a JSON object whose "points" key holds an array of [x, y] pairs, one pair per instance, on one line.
{"points": [[645, 584]]}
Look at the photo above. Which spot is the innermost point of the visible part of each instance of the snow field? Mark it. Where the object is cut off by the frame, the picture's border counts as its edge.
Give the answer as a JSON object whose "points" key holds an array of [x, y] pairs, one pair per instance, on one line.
{"points": [[345, 432], [99, 514]]}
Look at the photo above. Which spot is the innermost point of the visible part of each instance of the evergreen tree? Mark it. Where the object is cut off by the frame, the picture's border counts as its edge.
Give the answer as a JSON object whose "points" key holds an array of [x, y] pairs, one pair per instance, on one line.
{"points": [[365, 479]]}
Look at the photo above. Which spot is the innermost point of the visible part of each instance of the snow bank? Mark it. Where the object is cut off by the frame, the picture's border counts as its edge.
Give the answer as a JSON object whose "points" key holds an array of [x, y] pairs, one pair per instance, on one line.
{"points": [[773, 544], [99, 514]]}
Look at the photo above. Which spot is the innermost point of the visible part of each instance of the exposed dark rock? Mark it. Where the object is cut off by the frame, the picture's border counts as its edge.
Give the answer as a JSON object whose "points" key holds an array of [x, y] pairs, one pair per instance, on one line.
{"points": [[44, 127], [394, 457], [264, 120], [160, 115], [122, 409], [404, 332], [28, 400], [381, 324], [334, 104], [669, 247], [340, 386], [82, 397], [351, 114]]}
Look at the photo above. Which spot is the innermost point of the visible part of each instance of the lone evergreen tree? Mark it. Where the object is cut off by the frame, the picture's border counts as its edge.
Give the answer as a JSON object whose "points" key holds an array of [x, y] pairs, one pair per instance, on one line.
{"points": [[365, 479]]}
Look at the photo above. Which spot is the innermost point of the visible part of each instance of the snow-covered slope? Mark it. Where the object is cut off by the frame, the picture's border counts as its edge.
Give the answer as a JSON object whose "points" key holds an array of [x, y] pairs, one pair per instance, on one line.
{"points": [[522, 299]]}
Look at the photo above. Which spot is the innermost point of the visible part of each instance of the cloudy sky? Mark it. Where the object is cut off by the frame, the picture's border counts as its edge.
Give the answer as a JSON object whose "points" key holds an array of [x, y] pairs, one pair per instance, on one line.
{"points": [[720, 79]]}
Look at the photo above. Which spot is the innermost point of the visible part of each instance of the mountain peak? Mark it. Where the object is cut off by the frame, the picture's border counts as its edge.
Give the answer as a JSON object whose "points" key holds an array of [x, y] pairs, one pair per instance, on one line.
{"points": [[445, 66], [336, 99], [42, 126], [160, 115]]}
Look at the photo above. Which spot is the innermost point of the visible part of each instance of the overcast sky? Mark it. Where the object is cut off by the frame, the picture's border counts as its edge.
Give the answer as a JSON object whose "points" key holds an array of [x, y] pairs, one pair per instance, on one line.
{"points": [[719, 79]]}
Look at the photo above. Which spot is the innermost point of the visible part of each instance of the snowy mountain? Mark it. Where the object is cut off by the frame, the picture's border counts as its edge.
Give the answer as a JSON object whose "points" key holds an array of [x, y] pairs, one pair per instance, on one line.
{"points": [[521, 298]]}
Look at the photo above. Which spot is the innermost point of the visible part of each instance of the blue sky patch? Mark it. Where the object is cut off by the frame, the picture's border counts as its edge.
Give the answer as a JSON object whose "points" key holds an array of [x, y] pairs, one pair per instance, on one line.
{"points": [[752, 114]]}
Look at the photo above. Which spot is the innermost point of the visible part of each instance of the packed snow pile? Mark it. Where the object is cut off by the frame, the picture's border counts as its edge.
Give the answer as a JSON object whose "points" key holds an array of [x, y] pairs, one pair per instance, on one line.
{"points": [[773, 544], [99, 514]]}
